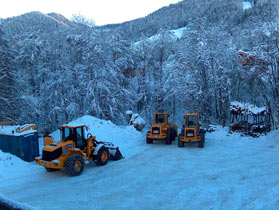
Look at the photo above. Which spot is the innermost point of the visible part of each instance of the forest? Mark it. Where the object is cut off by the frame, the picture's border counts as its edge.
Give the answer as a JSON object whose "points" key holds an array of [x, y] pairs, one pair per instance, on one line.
{"points": [[53, 69]]}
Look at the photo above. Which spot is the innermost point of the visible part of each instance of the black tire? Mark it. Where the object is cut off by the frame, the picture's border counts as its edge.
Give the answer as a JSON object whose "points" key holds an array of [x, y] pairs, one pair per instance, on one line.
{"points": [[149, 141], [74, 165], [180, 143], [102, 156], [168, 140], [173, 133], [51, 169], [201, 142]]}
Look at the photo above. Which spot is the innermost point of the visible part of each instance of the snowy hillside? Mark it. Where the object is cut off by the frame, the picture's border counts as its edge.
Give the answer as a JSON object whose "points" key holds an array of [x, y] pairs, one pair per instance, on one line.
{"points": [[63, 69], [231, 172], [174, 35]]}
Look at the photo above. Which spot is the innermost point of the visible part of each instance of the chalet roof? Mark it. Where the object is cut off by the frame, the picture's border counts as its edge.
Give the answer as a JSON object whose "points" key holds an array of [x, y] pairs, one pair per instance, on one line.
{"points": [[246, 53]]}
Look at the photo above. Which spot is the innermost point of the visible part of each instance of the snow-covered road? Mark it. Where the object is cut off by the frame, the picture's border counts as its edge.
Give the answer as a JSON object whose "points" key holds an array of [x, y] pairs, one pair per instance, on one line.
{"points": [[228, 173]]}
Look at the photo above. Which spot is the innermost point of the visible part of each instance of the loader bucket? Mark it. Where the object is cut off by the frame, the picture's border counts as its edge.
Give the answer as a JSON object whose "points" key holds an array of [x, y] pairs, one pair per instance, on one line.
{"points": [[116, 154]]}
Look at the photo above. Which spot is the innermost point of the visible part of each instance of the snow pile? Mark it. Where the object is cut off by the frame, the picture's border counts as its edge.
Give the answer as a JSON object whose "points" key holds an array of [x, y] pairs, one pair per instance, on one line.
{"points": [[12, 130], [124, 137], [11, 165], [136, 120], [246, 5], [139, 121], [246, 108]]}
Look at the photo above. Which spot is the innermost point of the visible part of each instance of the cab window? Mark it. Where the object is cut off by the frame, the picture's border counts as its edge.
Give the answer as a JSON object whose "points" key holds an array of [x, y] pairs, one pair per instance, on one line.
{"points": [[190, 121], [79, 136], [67, 133], [160, 118]]}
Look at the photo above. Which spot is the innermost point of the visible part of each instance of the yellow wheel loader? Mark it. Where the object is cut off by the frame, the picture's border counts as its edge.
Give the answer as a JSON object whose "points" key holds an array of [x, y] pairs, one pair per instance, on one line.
{"points": [[74, 149], [191, 131], [161, 129]]}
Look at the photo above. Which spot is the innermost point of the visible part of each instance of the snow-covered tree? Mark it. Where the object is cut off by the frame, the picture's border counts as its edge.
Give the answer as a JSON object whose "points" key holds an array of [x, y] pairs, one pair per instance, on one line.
{"points": [[8, 102]]}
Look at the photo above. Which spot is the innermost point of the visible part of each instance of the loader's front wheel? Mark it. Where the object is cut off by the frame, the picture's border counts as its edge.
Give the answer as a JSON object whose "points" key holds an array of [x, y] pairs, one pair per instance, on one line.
{"points": [[102, 157], [51, 169], [74, 165], [149, 141]]}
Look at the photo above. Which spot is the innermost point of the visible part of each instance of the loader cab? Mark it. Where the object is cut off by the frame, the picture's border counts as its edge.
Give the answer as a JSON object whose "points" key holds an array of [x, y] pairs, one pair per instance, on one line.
{"points": [[160, 118], [191, 120], [74, 133], [191, 125]]}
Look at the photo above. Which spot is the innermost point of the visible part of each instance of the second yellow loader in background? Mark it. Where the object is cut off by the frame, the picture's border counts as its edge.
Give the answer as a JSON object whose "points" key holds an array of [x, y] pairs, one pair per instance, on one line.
{"points": [[191, 131]]}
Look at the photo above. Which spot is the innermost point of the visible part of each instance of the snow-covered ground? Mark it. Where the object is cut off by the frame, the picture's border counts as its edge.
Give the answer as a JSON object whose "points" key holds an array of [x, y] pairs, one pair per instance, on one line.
{"points": [[230, 172]]}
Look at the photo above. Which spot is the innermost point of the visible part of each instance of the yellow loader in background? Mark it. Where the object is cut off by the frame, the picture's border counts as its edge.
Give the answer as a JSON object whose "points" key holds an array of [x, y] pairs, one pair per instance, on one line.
{"points": [[161, 129], [191, 131]]}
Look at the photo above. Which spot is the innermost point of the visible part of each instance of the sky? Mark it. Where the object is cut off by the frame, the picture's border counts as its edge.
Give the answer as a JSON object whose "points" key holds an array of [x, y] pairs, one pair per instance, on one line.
{"points": [[101, 11]]}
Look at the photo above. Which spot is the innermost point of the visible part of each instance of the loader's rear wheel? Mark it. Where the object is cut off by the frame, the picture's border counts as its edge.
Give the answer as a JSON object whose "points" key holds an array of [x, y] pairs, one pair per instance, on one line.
{"points": [[102, 157], [180, 143], [168, 139], [51, 169], [201, 142], [149, 141], [173, 133], [74, 165]]}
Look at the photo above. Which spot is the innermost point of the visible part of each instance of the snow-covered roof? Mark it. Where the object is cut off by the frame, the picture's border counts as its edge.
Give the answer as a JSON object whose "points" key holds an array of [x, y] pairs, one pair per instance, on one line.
{"points": [[246, 108], [246, 53], [12, 130]]}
